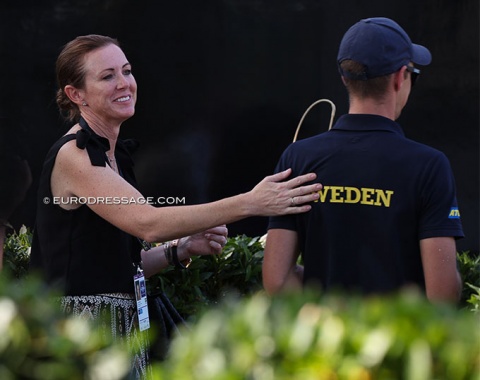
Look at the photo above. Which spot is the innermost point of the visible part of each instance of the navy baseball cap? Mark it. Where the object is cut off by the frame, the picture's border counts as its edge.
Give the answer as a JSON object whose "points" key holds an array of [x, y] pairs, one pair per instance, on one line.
{"points": [[382, 46]]}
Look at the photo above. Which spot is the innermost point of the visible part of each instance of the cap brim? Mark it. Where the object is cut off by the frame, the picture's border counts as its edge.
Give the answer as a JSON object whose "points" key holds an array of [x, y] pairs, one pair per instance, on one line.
{"points": [[421, 55]]}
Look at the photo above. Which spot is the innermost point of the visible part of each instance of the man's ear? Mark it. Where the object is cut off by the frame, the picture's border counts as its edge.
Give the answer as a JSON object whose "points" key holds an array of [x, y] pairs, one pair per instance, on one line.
{"points": [[399, 78], [74, 94]]}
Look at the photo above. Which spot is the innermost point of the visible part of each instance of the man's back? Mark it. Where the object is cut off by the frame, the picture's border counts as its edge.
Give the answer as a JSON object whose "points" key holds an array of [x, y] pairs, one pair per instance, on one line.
{"points": [[380, 196]]}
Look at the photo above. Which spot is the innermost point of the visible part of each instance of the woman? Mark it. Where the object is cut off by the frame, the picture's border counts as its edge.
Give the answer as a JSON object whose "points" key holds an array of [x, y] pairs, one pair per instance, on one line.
{"points": [[87, 239]]}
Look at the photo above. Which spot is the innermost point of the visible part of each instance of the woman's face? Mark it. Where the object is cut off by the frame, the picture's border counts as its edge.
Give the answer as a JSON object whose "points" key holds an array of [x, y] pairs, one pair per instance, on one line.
{"points": [[110, 89]]}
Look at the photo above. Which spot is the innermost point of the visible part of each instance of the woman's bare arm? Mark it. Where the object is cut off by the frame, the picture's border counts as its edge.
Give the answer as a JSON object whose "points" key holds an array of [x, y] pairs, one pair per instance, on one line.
{"points": [[74, 176]]}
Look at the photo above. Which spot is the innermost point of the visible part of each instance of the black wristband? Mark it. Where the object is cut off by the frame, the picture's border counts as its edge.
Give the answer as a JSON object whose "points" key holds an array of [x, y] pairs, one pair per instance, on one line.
{"points": [[178, 264], [168, 253]]}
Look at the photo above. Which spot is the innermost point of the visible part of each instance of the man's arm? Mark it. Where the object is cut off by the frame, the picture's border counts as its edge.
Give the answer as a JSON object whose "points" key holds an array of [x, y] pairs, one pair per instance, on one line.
{"points": [[439, 259], [280, 270]]}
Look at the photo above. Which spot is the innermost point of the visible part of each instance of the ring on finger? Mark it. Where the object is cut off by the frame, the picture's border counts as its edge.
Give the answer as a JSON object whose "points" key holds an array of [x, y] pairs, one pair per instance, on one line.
{"points": [[292, 201]]}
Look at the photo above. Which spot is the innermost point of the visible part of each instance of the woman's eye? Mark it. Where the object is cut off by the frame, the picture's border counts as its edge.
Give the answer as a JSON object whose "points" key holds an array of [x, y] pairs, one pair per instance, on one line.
{"points": [[128, 71], [109, 76]]}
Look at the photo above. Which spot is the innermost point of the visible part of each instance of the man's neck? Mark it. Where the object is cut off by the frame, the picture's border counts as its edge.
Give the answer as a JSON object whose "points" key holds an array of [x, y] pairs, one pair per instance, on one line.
{"points": [[373, 107]]}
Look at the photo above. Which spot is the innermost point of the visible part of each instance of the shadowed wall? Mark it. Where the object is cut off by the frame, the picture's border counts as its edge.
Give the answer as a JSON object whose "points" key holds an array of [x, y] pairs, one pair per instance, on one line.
{"points": [[223, 84]]}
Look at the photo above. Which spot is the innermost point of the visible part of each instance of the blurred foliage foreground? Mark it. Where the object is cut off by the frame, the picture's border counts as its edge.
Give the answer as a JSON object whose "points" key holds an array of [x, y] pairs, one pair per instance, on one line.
{"points": [[236, 332], [304, 337]]}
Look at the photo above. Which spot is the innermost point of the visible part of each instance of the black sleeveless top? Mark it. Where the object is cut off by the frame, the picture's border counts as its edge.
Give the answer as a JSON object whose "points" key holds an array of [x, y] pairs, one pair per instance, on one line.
{"points": [[77, 250]]}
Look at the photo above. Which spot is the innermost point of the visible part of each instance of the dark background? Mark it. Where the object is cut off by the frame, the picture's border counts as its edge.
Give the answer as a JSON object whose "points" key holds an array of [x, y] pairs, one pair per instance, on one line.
{"points": [[223, 84]]}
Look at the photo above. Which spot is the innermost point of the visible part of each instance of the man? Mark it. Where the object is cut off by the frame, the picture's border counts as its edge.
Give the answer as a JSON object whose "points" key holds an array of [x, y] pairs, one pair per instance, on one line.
{"points": [[387, 216]]}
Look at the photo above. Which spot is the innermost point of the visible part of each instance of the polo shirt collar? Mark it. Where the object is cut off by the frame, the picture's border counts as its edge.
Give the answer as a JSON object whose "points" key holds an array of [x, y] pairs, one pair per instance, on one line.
{"points": [[367, 122]]}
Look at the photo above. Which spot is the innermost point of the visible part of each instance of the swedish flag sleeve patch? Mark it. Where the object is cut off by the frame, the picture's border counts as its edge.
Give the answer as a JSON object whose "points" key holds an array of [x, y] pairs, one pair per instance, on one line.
{"points": [[454, 213]]}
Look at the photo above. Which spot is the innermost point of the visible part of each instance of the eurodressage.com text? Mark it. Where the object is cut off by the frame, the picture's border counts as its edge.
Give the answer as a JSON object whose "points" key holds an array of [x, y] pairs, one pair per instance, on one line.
{"points": [[116, 200]]}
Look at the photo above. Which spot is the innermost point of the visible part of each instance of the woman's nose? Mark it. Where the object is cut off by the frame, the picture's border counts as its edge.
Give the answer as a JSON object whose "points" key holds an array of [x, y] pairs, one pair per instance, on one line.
{"points": [[122, 82]]}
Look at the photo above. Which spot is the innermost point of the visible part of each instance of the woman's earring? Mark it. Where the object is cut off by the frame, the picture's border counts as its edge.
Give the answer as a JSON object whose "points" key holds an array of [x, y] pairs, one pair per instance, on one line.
{"points": [[84, 103]]}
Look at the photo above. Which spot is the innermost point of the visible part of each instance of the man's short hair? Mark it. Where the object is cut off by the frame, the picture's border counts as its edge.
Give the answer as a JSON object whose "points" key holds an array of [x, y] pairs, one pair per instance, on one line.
{"points": [[374, 88]]}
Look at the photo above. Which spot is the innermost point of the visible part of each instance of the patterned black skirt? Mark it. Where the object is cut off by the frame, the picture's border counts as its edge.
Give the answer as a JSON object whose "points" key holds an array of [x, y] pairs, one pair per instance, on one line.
{"points": [[116, 314]]}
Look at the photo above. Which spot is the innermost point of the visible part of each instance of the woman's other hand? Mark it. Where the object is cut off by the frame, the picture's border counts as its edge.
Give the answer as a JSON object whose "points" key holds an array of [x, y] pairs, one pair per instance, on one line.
{"points": [[209, 242]]}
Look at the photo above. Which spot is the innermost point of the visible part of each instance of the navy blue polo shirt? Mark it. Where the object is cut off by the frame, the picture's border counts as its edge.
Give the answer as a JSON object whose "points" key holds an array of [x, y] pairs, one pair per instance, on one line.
{"points": [[382, 193]]}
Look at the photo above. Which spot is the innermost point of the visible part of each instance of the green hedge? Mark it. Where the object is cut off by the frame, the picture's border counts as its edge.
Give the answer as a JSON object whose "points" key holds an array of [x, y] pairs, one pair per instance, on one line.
{"points": [[238, 270], [306, 336], [16, 252], [237, 332], [469, 268]]}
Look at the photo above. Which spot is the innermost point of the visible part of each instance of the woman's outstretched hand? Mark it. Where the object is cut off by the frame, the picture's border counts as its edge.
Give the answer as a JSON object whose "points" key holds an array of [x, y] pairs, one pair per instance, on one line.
{"points": [[275, 196]]}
